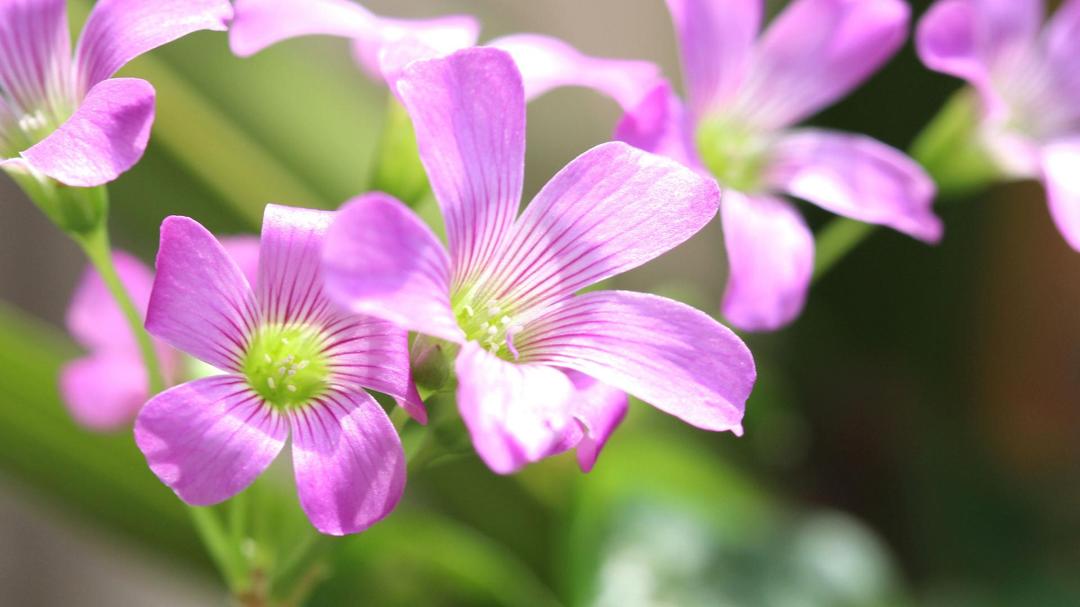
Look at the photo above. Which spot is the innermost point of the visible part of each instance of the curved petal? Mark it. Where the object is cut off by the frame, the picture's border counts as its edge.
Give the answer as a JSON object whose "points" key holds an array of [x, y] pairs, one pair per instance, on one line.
{"points": [[210, 438], [381, 259], [350, 467], [716, 41], [468, 110], [244, 250], [770, 253], [35, 57], [104, 391], [668, 354], [93, 317], [548, 63], [947, 42], [425, 39], [515, 413], [858, 177], [290, 284], [661, 125], [118, 31], [1061, 175], [201, 303], [611, 209], [815, 52], [105, 136], [598, 409], [1063, 47]]}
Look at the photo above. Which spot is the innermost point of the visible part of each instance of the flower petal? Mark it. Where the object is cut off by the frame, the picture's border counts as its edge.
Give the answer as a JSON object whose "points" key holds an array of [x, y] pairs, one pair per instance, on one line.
{"points": [[716, 41], [210, 438], [858, 177], [469, 113], [201, 303], [815, 52], [244, 250], [770, 253], [599, 409], [381, 259], [661, 125], [1063, 47], [290, 284], [118, 31], [611, 209], [35, 56], [349, 463], [105, 136], [548, 63], [668, 354], [515, 413], [104, 391], [947, 41], [93, 317], [1061, 175], [427, 38]]}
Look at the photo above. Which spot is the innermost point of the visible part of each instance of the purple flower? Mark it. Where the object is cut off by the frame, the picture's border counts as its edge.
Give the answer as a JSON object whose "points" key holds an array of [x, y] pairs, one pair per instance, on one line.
{"points": [[105, 389], [65, 117], [383, 46], [745, 93], [1028, 80], [291, 363], [539, 368]]}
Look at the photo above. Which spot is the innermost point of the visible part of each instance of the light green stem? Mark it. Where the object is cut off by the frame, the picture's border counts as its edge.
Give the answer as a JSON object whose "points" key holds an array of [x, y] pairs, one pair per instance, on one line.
{"points": [[225, 553], [96, 246]]}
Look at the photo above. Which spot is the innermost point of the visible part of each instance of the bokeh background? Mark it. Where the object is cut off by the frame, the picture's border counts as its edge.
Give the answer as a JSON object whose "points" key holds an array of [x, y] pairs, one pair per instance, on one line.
{"points": [[914, 439]]}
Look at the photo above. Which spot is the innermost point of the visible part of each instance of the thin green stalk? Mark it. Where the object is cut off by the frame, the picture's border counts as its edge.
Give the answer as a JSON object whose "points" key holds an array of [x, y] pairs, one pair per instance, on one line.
{"points": [[836, 240], [225, 553], [96, 246]]}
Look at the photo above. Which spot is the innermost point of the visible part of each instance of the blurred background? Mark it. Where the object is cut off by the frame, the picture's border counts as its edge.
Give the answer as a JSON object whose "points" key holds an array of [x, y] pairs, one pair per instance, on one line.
{"points": [[914, 439]]}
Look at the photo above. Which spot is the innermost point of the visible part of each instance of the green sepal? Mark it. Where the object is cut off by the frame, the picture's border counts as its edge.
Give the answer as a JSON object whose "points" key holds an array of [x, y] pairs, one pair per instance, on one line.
{"points": [[951, 149], [398, 170], [77, 211]]}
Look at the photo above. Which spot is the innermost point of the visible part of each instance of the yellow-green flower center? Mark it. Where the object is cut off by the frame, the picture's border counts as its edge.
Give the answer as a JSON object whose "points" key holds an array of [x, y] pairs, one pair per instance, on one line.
{"points": [[490, 324], [733, 153], [287, 364]]}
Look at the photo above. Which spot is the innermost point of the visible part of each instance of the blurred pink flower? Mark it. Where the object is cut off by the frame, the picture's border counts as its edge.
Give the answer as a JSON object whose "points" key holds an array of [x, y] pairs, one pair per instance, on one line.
{"points": [[67, 118], [745, 93], [290, 362], [1028, 80], [382, 46], [105, 389], [539, 368]]}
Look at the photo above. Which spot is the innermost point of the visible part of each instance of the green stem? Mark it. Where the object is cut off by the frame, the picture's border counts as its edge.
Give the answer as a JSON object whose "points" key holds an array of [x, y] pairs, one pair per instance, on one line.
{"points": [[836, 240], [96, 245], [225, 553]]}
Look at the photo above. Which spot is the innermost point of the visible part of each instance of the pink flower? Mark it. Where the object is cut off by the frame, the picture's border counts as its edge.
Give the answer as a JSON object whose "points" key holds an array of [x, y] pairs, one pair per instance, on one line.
{"points": [[290, 363], [383, 46], [1028, 80], [745, 93], [538, 367], [105, 389], [67, 118]]}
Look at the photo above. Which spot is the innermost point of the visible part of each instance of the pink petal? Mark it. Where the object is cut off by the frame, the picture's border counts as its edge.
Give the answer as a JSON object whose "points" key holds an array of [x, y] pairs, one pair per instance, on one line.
{"points": [[210, 438], [815, 52], [1063, 48], [244, 250], [599, 409], [201, 303], [35, 56], [515, 413], [104, 391], [105, 136], [381, 259], [350, 467], [858, 177], [436, 37], [611, 209], [1061, 175], [290, 284], [716, 40], [469, 113], [668, 354], [947, 41], [661, 125], [770, 253], [548, 63], [93, 317], [118, 31]]}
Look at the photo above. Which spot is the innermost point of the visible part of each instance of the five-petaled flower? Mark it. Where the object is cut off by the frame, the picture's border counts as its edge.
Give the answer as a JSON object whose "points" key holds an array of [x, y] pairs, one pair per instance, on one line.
{"points": [[539, 367], [65, 117], [291, 362], [744, 94], [1028, 81]]}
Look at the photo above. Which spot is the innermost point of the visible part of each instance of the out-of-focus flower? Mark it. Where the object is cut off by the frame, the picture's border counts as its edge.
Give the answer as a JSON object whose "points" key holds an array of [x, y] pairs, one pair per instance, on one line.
{"points": [[1028, 82], [538, 367], [745, 93], [382, 46], [65, 117], [291, 361], [105, 389]]}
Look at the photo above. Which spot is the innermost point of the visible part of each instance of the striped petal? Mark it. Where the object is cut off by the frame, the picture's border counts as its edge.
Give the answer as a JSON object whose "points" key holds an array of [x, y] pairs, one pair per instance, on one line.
{"points": [[598, 410], [661, 125], [290, 285], [35, 58]]}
